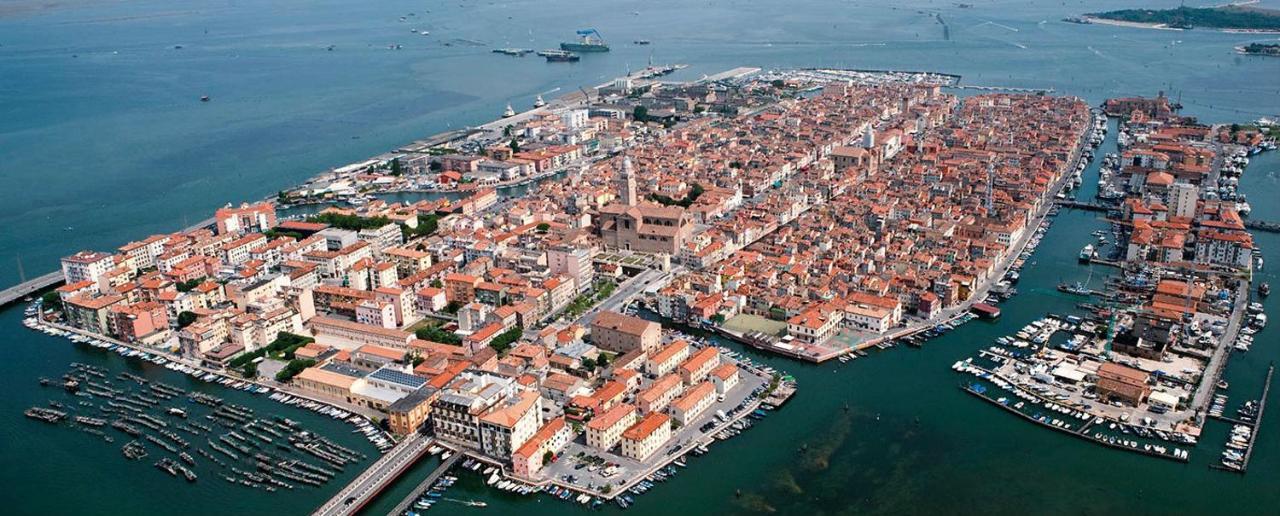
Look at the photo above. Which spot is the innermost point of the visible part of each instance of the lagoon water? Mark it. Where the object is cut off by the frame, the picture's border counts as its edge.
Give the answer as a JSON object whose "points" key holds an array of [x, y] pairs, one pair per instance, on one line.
{"points": [[103, 139]]}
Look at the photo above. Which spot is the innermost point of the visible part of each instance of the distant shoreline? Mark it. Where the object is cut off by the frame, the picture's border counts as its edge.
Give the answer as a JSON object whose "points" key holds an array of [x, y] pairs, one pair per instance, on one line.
{"points": [[1163, 26]]}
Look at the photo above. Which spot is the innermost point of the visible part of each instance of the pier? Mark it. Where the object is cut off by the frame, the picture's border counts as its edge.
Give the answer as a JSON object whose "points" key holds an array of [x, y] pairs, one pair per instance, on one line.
{"points": [[1262, 225], [1081, 432], [426, 483], [372, 481]]}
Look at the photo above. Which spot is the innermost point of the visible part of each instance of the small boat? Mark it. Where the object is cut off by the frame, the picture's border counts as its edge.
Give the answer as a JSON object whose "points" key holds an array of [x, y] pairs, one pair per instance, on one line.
{"points": [[1222, 384], [204, 98], [1264, 289]]}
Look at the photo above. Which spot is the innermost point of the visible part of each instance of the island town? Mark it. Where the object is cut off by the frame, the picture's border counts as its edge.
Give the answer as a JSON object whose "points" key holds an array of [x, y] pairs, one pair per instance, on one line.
{"points": [[1139, 367], [556, 340]]}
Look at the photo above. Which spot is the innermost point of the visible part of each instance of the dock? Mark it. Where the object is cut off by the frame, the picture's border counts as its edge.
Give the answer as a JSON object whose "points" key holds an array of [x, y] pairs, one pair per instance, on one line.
{"points": [[1256, 425], [1080, 432], [426, 483]]}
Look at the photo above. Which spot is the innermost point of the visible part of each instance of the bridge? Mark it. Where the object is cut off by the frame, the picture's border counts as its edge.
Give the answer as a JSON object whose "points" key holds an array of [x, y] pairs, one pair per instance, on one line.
{"points": [[361, 490], [426, 483], [29, 287], [1081, 205]]}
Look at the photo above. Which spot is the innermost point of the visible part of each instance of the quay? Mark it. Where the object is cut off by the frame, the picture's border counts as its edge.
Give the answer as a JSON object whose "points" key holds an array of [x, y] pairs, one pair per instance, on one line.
{"points": [[426, 483], [372, 481], [1080, 433], [1010, 89]]}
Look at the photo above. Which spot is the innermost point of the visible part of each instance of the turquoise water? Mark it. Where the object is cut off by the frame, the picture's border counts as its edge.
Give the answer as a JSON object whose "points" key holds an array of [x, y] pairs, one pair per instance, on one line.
{"points": [[103, 139]]}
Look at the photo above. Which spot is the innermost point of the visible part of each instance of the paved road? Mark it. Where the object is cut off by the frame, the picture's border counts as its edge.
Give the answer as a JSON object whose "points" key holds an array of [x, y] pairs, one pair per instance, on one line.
{"points": [[626, 291], [371, 481], [1218, 361]]}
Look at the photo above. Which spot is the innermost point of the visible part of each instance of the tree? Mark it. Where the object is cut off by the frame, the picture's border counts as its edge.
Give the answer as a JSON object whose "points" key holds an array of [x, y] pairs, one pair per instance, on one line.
{"points": [[515, 145], [436, 166], [435, 334], [588, 364], [186, 318], [543, 227], [547, 456], [503, 341], [779, 83], [435, 283], [396, 169], [51, 301], [293, 368], [602, 360], [640, 113], [717, 318]]}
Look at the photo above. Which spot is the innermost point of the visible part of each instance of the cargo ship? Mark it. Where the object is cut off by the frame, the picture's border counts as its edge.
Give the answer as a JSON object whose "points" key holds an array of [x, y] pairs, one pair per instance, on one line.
{"points": [[589, 40]]}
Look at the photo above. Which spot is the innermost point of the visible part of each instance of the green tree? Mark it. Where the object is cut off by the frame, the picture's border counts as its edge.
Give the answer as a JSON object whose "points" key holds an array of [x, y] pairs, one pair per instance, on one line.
{"points": [[779, 83], [588, 364], [547, 456], [250, 370], [640, 113], [186, 318], [515, 145], [603, 360], [396, 168], [51, 301], [502, 343], [435, 334], [543, 227]]}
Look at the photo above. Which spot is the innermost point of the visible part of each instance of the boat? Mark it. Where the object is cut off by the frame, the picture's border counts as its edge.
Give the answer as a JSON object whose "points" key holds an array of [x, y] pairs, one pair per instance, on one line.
{"points": [[509, 112], [538, 102], [1264, 289], [1087, 253], [1076, 288], [1222, 384], [642, 42], [204, 98], [589, 40], [559, 56]]}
